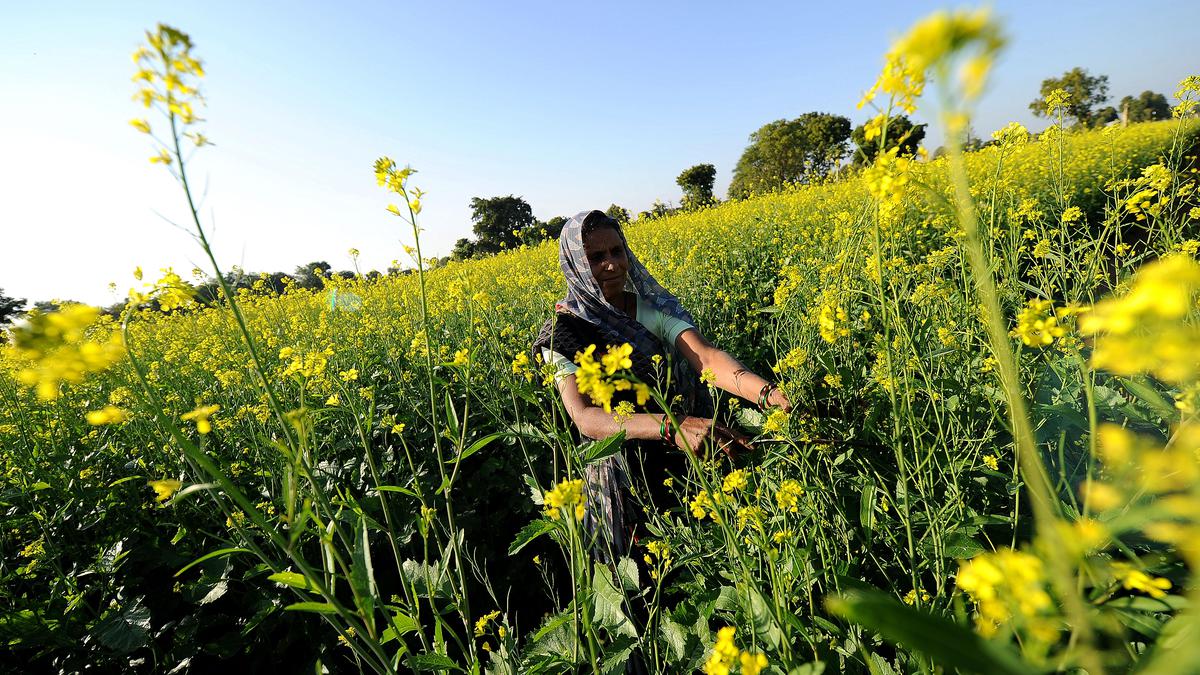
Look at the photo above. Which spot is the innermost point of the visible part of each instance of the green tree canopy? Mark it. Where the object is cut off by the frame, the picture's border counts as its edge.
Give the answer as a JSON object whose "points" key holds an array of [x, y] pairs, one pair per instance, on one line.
{"points": [[309, 276], [697, 185], [790, 151], [500, 223], [1147, 107], [618, 213], [1084, 93], [901, 133], [10, 308]]}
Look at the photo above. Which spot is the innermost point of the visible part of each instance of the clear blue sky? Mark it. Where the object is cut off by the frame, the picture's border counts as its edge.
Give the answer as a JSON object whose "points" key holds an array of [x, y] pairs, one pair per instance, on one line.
{"points": [[570, 105]]}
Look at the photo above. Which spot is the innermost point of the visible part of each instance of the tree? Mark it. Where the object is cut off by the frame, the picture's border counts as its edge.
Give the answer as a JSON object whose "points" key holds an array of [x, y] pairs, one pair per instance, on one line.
{"points": [[553, 227], [1084, 93], [500, 222], [790, 151], [309, 276], [464, 249], [697, 185], [657, 210], [1147, 107], [618, 213], [10, 308], [901, 133]]}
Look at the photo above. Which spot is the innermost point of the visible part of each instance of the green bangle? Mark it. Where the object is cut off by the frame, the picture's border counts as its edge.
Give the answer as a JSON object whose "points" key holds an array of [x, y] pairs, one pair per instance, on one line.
{"points": [[662, 428]]}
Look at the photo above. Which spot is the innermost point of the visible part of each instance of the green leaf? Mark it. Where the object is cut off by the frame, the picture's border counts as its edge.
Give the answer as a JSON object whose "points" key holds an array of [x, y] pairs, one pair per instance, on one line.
{"points": [[946, 642], [127, 630], [477, 446], [1141, 603], [606, 603], [293, 579], [317, 607], [404, 624], [432, 663], [362, 572], [530, 532], [1147, 394], [209, 556], [866, 511], [675, 637], [766, 628], [396, 488], [535, 490], [594, 451], [962, 547], [627, 572]]}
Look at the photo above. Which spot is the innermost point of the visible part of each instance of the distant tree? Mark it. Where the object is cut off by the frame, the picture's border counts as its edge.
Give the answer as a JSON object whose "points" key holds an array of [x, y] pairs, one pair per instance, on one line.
{"points": [[697, 185], [310, 275], [500, 222], [1147, 107], [553, 228], [657, 210], [1084, 93], [10, 308], [901, 133], [790, 151], [464, 249], [618, 213], [1105, 115]]}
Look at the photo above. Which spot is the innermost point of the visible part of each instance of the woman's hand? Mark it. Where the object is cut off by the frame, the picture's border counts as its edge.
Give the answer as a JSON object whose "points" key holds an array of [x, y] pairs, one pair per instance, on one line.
{"points": [[779, 399], [694, 431]]}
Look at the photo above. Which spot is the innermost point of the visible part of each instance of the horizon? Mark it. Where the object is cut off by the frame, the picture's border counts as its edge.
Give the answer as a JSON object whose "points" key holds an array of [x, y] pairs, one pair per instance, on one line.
{"points": [[299, 113]]}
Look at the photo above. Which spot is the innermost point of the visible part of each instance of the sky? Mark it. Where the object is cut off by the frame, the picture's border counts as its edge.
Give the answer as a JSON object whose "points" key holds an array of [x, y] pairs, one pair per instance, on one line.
{"points": [[572, 106]]}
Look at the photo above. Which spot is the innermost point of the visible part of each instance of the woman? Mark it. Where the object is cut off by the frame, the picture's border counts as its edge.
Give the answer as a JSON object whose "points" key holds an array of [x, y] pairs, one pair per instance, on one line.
{"points": [[613, 300]]}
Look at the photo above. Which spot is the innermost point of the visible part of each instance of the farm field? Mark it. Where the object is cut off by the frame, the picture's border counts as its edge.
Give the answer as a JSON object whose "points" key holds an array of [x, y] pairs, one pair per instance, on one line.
{"points": [[991, 466]]}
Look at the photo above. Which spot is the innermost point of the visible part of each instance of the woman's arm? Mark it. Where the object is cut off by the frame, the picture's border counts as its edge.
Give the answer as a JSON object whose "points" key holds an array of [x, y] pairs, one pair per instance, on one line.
{"points": [[731, 375], [593, 422]]}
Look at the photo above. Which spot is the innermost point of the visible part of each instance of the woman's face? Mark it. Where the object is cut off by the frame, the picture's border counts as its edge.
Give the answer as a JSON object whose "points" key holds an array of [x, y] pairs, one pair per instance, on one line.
{"points": [[606, 254]]}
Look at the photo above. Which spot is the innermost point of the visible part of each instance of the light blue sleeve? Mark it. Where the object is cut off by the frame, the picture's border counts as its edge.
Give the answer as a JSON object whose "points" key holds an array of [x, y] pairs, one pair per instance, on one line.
{"points": [[666, 327], [563, 366]]}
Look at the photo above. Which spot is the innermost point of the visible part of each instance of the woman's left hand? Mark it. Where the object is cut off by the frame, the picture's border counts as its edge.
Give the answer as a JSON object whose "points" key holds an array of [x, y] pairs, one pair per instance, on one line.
{"points": [[779, 399]]}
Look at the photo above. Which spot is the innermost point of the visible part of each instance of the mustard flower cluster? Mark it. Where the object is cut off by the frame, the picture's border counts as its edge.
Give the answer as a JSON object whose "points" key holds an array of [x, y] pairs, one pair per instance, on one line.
{"points": [[788, 495], [57, 348], [1039, 324], [601, 380], [1009, 587], [1145, 330], [725, 655], [566, 495], [168, 78]]}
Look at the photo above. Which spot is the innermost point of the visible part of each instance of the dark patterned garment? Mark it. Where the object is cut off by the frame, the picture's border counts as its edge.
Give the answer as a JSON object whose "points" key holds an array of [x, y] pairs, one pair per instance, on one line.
{"points": [[584, 317]]}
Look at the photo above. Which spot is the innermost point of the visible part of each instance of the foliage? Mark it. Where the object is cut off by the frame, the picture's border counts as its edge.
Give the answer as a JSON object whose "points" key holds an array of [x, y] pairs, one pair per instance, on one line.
{"points": [[500, 223], [902, 134], [1149, 106], [1083, 93], [10, 308], [618, 213], [697, 185], [786, 152]]}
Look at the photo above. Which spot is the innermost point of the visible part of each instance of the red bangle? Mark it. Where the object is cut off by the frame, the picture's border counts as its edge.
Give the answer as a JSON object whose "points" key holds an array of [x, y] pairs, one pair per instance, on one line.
{"points": [[662, 428]]}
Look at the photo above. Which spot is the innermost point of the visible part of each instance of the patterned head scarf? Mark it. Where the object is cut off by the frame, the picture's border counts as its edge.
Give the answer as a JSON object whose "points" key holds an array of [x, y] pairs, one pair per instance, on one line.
{"points": [[586, 300]]}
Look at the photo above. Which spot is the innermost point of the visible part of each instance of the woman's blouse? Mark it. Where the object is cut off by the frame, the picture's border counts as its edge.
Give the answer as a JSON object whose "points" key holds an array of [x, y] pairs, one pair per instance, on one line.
{"points": [[665, 326]]}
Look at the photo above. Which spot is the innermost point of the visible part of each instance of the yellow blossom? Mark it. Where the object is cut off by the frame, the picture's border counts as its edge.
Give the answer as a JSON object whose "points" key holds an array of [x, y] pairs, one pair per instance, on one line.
{"points": [[164, 489]]}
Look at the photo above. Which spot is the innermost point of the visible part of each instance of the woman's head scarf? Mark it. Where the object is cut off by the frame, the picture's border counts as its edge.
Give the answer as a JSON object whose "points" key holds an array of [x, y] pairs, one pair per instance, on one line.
{"points": [[585, 300]]}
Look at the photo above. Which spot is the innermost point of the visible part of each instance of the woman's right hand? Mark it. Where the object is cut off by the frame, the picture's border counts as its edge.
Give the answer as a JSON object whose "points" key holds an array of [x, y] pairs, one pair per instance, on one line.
{"points": [[694, 431]]}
